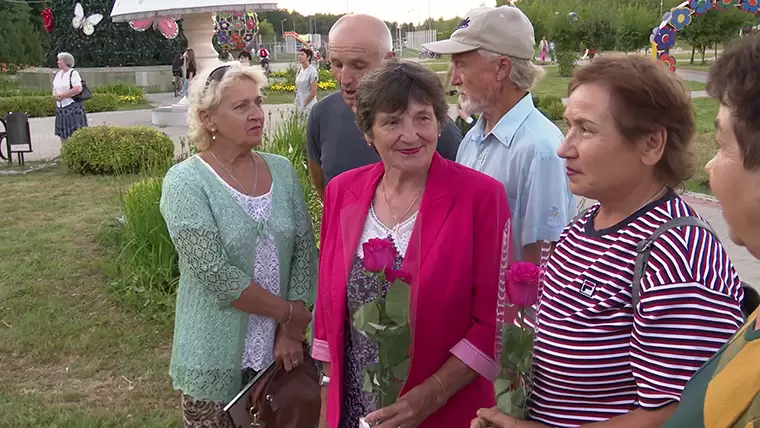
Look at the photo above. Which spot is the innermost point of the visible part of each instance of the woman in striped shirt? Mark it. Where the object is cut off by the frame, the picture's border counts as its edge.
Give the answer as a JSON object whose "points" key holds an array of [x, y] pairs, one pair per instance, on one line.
{"points": [[605, 353]]}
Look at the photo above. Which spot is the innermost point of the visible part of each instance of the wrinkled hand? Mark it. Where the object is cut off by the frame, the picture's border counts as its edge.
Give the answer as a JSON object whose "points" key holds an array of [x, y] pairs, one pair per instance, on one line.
{"points": [[299, 320], [288, 351], [408, 412], [493, 418]]}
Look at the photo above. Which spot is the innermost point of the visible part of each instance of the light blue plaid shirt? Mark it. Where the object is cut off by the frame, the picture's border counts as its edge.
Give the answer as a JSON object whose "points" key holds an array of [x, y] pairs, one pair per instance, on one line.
{"points": [[521, 152]]}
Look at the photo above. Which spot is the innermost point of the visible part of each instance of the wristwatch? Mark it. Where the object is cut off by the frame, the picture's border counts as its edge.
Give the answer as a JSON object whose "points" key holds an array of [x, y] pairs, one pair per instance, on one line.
{"points": [[323, 380]]}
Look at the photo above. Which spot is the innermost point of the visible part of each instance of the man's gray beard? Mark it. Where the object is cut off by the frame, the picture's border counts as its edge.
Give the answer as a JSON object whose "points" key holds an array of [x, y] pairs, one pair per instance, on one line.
{"points": [[471, 106]]}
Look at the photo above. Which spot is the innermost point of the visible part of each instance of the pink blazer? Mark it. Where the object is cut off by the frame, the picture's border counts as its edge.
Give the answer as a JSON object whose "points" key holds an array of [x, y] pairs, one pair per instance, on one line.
{"points": [[453, 255]]}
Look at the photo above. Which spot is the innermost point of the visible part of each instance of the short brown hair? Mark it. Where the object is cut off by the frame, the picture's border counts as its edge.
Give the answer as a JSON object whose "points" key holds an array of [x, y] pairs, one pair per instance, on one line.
{"points": [[734, 79], [645, 97], [390, 88]]}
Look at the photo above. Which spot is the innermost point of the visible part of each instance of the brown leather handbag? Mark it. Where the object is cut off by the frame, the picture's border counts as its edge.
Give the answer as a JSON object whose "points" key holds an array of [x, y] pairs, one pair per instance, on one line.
{"points": [[287, 399]]}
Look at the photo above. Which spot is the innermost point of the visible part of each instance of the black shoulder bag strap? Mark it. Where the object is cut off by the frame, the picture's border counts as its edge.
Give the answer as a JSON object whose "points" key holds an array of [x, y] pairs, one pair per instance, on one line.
{"points": [[644, 247]]}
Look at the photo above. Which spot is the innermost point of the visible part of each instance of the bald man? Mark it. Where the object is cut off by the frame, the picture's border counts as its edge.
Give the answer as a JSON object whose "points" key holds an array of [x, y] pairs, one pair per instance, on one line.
{"points": [[357, 46]]}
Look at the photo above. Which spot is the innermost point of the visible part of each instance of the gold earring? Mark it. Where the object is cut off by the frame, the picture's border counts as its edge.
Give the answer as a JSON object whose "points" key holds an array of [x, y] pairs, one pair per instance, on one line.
{"points": [[213, 134]]}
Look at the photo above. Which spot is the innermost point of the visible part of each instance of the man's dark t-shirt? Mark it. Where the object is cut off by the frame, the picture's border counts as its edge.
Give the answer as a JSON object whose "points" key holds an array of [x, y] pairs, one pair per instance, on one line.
{"points": [[336, 143]]}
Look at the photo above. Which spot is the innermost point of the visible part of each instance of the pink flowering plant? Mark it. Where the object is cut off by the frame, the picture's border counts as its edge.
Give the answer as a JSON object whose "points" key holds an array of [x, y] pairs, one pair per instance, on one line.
{"points": [[520, 282], [386, 320]]}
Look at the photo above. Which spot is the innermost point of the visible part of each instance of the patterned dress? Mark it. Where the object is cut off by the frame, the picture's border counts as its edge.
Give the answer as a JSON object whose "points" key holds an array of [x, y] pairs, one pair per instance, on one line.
{"points": [[361, 351], [258, 352]]}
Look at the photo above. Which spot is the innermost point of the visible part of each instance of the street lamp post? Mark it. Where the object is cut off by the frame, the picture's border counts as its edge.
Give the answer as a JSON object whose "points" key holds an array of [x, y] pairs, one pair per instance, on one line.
{"points": [[282, 26]]}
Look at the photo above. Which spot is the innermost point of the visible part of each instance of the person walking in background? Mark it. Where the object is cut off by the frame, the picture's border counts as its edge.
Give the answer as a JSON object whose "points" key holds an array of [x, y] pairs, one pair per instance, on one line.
{"points": [[307, 78], [247, 253], [551, 50], [725, 392], [543, 48], [264, 58], [358, 44], [67, 83], [492, 57], [446, 223], [244, 57], [191, 69], [618, 336], [177, 67]]}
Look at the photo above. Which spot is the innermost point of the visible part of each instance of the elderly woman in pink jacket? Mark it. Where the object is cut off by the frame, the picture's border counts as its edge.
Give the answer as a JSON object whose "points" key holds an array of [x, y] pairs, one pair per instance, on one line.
{"points": [[445, 223]]}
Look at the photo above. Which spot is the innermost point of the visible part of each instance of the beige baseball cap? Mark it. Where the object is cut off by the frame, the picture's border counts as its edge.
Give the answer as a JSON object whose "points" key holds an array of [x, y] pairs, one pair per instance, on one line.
{"points": [[504, 30]]}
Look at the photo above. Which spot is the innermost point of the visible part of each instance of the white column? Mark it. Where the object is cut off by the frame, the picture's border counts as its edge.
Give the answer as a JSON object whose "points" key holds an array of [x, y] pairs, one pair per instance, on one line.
{"points": [[198, 28]]}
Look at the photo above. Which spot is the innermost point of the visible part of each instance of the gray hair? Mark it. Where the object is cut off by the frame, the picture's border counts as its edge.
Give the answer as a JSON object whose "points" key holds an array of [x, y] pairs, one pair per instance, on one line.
{"points": [[524, 73], [207, 99], [67, 59], [384, 37]]}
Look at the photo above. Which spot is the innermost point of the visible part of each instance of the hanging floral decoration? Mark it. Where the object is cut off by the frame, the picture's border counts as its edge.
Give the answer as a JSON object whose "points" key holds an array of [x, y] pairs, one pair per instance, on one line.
{"points": [[683, 14], [236, 29], [47, 20]]}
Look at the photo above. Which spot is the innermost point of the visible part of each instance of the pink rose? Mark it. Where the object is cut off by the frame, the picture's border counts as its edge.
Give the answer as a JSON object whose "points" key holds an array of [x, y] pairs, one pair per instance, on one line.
{"points": [[522, 284], [392, 275], [379, 255]]}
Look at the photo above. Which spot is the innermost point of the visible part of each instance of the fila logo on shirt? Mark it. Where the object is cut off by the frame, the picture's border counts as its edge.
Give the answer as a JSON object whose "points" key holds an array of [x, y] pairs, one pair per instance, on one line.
{"points": [[588, 288]]}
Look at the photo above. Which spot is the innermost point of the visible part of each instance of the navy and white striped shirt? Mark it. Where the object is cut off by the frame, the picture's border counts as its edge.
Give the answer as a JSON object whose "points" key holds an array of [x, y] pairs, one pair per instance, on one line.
{"points": [[595, 359]]}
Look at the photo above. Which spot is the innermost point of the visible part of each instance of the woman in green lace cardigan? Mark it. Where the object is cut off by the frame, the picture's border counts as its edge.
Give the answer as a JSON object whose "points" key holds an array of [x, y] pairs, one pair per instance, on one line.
{"points": [[247, 256]]}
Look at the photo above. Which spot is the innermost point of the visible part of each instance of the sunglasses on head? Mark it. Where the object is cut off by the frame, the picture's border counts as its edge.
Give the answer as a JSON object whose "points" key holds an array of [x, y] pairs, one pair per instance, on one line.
{"points": [[216, 75]]}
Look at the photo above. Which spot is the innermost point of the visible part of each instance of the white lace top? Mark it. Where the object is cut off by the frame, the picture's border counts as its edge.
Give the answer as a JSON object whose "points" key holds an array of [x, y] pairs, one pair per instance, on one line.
{"points": [[374, 228], [259, 341]]}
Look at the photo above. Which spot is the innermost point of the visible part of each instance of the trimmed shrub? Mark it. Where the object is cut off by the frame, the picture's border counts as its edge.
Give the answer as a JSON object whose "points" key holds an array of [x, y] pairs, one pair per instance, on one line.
{"points": [[114, 149], [44, 105]]}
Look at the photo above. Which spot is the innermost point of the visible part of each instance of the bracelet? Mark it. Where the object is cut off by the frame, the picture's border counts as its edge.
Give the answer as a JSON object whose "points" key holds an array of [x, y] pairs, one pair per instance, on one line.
{"points": [[440, 382], [290, 315]]}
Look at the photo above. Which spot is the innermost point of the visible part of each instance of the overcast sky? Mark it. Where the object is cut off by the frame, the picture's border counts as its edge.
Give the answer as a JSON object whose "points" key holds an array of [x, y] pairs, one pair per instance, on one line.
{"points": [[389, 10]]}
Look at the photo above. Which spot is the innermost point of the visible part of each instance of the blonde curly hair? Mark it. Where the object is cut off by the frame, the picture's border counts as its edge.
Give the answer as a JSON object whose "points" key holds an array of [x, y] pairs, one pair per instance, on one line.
{"points": [[207, 99]]}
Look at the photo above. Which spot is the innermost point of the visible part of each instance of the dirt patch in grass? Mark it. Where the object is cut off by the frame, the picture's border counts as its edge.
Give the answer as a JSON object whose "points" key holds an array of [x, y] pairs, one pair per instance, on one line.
{"points": [[68, 351]]}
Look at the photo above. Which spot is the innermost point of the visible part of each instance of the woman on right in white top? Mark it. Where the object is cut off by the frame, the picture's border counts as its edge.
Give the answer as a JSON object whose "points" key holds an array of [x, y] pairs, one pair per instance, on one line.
{"points": [[67, 83], [306, 82]]}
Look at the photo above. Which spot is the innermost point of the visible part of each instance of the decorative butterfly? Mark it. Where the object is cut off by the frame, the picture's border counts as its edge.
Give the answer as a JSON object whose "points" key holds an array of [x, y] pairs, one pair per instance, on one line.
{"points": [[166, 25], [86, 24]]}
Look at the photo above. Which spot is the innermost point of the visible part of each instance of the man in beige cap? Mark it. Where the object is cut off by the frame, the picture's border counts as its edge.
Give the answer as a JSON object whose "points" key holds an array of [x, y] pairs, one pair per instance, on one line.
{"points": [[492, 59]]}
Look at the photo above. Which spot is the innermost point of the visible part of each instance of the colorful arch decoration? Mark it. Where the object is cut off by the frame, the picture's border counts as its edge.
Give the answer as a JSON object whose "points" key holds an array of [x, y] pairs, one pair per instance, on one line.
{"points": [[664, 35]]}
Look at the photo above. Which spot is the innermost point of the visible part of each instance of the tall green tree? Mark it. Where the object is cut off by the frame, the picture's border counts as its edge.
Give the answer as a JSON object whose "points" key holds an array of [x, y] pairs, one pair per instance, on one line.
{"points": [[634, 27], [21, 34], [112, 44]]}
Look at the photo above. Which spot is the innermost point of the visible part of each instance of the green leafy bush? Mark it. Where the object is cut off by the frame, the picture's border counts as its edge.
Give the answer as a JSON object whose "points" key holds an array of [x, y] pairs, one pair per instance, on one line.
{"points": [[550, 105], [289, 140], [566, 61], [148, 273], [114, 149], [119, 89], [44, 105], [555, 111]]}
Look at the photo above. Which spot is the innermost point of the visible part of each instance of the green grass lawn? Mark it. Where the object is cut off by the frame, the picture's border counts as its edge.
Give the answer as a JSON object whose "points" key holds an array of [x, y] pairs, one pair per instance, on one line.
{"points": [[289, 98], [71, 356]]}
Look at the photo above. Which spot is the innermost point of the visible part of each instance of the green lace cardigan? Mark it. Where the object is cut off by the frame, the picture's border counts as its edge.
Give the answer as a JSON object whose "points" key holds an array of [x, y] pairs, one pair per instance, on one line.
{"points": [[216, 242]]}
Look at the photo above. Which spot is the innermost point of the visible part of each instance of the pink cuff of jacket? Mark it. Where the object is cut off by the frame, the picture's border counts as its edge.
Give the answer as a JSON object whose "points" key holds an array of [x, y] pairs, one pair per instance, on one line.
{"points": [[320, 350], [476, 359]]}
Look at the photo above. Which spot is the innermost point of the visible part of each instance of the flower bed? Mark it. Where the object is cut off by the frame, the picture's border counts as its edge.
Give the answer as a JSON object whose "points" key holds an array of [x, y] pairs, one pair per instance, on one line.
{"points": [[287, 88], [285, 81]]}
